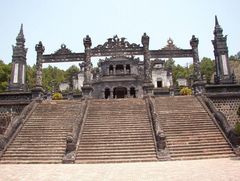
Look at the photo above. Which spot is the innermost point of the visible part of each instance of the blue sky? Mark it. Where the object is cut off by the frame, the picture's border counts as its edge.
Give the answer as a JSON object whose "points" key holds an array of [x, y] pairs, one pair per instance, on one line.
{"points": [[68, 21]]}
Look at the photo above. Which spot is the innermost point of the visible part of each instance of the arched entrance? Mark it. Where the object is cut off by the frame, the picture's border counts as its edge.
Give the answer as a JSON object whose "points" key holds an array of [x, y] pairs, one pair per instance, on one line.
{"points": [[133, 92], [119, 92], [107, 93]]}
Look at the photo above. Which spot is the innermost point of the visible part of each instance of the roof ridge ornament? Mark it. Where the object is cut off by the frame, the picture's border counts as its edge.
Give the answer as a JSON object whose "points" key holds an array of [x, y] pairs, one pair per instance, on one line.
{"points": [[63, 50], [170, 45], [117, 43]]}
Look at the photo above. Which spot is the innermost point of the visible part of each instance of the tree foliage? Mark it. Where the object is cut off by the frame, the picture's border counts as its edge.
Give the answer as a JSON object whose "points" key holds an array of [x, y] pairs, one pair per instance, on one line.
{"points": [[52, 77], [70, 72], [5, 72], [207, 68]]}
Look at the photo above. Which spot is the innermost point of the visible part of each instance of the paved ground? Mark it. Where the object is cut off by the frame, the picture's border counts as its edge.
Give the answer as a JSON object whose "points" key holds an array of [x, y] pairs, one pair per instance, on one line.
{"points": [[211, 169]]}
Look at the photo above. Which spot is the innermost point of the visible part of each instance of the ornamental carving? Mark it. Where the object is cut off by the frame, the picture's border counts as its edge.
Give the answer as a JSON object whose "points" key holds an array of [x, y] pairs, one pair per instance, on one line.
{"points": [[117, 43], [170, 45], [63, 50], [119, 57]]}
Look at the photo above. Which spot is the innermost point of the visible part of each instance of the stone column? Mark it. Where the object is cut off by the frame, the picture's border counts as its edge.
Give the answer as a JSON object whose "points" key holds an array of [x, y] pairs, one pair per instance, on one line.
{"points": [[111, 93], [37, 91], [108, 70], [196, 63], [124, 68], [87, 88], [146, 54], [198, 84], [39, 49], [128, 92], [148, 85], [114, 69], [87, 62]]}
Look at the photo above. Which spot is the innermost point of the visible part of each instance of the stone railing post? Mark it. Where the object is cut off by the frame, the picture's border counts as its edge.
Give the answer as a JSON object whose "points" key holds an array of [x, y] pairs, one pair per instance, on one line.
{"points": [[160, 138]]}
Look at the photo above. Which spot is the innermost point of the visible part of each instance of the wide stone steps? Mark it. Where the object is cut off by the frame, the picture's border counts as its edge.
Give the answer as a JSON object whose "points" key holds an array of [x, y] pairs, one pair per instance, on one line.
{"points": [[190, 132], [42, 138], [116, 131]]}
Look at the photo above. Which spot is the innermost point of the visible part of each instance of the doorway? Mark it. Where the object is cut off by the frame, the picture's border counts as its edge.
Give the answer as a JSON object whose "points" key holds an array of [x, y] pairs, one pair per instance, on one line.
{"points": [[119, 92]]}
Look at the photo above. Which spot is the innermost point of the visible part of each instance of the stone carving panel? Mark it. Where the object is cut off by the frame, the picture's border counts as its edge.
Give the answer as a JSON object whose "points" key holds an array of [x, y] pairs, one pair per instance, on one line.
{"points": [[117, 43]]}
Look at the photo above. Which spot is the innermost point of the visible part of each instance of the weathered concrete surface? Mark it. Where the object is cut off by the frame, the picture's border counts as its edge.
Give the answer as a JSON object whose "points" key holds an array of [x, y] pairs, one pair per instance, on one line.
{"points": [[209, 169]]}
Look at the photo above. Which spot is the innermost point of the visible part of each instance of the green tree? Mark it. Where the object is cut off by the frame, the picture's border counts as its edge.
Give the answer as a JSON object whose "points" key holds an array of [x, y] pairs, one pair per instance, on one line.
{"points": [[5, 72], [207, 68], [70, 72], [169, 64], [52, 77], [30, 76]]}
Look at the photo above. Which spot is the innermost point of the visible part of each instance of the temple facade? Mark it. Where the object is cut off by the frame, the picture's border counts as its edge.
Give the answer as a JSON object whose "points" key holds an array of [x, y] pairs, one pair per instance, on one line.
{"points": [[123, 76]]}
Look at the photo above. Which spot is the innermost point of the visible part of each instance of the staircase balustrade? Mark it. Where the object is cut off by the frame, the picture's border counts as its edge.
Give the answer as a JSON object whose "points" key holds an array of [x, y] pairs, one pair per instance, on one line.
{"points": [[160, 137], [222, 122], [15, 126], [72, 139]]}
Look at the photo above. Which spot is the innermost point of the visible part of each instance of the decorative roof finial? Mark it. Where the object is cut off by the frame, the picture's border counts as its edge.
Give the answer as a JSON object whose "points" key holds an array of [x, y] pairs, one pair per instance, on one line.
{"points": [[216, 21], [20, 37]]}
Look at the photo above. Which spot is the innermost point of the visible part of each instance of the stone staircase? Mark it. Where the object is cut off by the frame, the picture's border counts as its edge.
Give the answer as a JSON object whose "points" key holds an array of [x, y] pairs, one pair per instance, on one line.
{"points": [[190, 132], [42, 139], [116, 131]]}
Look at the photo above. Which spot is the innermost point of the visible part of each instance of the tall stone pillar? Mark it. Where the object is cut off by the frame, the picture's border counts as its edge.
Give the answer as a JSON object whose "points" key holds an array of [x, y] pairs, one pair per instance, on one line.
{"points": [[38, 91], [198, 84], [196, 63], [87, 87], [223, 74], [18, 75], [147, 85]]}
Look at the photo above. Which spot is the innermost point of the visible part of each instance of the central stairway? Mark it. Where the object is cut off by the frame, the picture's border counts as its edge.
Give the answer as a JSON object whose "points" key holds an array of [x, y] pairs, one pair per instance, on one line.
{"points": [[116, 131], [42, 138], [189, 130]]}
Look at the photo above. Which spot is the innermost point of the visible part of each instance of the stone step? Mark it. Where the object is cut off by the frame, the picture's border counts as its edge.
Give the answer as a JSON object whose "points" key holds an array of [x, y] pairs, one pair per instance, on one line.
{"points": [[121, 131], [198, 157], [36, 146], [190, 132], [30, 157], [208, 153], [43, 136], [132, 136], [121, 160], [117, 139], [44, 149], [196, 146], [34, 161], [193, 128], [109, 157]]}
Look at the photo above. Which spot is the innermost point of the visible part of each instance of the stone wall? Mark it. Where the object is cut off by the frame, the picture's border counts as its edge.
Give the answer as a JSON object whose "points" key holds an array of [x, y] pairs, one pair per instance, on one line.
{"points": [[228, 106]]}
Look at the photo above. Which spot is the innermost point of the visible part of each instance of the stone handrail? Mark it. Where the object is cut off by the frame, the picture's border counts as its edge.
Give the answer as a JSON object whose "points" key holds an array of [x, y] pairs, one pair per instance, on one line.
{"points": [[160, 137], [15, 126], [221, 120], [72, 139]]}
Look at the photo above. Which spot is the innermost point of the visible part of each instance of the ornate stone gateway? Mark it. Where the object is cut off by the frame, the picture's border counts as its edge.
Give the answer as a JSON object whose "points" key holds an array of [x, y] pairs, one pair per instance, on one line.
{"points": [[116, 47]]}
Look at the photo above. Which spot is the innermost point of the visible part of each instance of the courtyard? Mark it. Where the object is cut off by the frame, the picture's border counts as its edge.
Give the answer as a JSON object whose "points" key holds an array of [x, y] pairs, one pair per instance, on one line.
{"points": [[207, 169]]}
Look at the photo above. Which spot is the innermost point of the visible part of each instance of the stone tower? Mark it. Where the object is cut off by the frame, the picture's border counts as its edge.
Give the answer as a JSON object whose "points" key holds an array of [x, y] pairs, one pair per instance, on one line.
{"points": [[18, 75], [223, 74]]}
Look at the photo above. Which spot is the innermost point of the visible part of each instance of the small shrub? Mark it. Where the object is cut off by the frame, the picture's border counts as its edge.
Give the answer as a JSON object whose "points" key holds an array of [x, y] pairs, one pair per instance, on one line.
{"points": [[237, 128], [186, 91], [57, 96]]}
